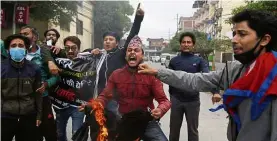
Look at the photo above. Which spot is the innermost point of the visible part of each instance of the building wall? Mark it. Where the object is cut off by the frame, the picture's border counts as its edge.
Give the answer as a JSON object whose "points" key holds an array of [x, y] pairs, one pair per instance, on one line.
{"points": [[85, 14], [227, 6]]}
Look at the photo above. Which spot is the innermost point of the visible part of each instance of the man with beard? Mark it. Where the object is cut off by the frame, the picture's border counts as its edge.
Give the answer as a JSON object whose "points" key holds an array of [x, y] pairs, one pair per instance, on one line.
{"points": [[136, 91], [49, 50], [48, 127], [250, 85], [21, 106]]}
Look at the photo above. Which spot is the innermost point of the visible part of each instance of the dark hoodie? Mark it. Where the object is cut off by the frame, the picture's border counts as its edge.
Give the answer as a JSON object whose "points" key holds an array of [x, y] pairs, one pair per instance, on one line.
{"points": [[116, 57]]}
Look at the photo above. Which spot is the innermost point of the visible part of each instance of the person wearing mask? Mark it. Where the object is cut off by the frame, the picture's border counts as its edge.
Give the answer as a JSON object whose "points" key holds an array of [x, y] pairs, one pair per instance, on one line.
{"points": [[47, 128], [250, 83], [137, 91], [183, 101], [21, 105]]}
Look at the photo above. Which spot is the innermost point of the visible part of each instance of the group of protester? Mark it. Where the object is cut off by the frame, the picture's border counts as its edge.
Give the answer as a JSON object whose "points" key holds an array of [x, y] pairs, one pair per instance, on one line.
{"points": [[36, 78]]}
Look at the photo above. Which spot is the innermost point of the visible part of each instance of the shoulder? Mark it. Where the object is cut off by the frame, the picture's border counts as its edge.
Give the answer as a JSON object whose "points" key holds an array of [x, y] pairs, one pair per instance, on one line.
{"points": [[32, 65]]}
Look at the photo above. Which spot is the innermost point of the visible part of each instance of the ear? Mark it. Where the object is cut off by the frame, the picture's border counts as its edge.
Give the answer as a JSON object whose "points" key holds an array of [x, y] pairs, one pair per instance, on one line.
{"points": [[266, 39]]}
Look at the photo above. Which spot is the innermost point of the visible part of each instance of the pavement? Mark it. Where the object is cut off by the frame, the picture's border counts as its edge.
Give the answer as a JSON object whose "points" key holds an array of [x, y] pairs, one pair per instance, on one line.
{"points": [[212, 126]]}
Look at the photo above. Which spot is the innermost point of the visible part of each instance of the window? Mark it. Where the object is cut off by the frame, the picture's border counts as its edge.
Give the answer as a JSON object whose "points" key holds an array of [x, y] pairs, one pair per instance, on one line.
{"points": [[65, 25], [79, 27]]}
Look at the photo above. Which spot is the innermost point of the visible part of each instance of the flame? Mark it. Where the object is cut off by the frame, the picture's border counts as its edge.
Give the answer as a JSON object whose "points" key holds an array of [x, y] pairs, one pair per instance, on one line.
{"points": [[100, 118]]}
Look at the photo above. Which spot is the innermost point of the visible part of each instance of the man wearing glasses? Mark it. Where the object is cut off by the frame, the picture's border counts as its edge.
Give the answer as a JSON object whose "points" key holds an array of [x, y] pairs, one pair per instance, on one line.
{"points": [[63, 112]]}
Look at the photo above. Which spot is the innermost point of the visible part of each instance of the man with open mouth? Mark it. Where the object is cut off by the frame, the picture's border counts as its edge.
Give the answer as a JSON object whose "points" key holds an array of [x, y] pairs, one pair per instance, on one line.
{"points": [[135, 91]]}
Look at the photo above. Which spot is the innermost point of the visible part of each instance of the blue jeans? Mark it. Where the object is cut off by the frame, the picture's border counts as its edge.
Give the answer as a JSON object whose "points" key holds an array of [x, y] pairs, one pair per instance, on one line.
{"points": [[154, 132], [62, 116]]}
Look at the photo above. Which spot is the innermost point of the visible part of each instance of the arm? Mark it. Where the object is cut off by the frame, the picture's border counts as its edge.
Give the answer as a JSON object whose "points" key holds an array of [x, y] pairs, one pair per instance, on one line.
{"points": [[199, 82], [107, 93], [38, 96], [204, 67], [160, 97], [134, 30]]}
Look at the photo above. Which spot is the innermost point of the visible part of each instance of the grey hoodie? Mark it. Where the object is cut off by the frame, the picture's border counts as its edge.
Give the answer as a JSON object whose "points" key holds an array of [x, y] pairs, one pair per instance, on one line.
{"points": [[262, 129]]}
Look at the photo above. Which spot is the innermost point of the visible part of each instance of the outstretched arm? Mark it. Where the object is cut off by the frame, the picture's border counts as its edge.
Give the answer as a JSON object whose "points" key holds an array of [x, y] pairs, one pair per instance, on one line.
{"points": [[135, 28]]}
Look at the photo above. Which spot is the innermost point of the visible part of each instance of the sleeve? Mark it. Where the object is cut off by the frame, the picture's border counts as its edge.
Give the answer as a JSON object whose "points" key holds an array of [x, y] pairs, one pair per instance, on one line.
{"points": [[107, 93], [204, 66], [134, 31], [159, 95], [194, 82], [38, 96], [52, 81], [273, 120], [46, 54]]}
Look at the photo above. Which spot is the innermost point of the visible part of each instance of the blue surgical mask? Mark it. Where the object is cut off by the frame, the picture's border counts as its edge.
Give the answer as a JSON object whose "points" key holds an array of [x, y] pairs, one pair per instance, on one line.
{"points": [[17, 54]]}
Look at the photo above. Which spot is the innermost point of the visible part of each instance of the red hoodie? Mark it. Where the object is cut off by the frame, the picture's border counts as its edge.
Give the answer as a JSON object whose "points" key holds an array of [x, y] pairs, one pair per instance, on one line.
{"points": [[133, 91]]}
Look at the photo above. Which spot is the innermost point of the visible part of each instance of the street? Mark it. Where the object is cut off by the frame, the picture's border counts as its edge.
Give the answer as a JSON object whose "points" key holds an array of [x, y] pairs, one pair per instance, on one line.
{"points": [[212, 126]]}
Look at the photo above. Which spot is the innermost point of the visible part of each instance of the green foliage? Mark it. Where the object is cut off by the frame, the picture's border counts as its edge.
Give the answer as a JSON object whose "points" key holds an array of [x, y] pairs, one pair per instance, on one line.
{"points": [[270, 6], [44, 10], [203, 46], [111, 16]]}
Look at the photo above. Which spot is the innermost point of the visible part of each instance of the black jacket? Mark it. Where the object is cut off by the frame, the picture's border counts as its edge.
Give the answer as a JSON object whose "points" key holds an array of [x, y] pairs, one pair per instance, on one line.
{"points": [[18, 86], [192, 64]]}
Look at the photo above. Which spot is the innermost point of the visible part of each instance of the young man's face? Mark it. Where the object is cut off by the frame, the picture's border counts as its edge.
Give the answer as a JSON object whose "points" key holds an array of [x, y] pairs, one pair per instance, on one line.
{"points": [[27, 32], [110, 43], [71, 49], [17, 43], [244, 38], [186, 44], [134, 56], [51, 35]]}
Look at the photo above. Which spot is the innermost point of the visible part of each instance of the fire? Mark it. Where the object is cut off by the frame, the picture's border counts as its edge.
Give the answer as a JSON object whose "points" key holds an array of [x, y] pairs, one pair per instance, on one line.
{"points": [[101, 120]]}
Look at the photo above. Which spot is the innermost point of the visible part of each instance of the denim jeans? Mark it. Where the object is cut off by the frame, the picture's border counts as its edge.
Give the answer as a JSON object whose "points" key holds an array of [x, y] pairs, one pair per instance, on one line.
{"points": [[154, 132], [62, 116]]}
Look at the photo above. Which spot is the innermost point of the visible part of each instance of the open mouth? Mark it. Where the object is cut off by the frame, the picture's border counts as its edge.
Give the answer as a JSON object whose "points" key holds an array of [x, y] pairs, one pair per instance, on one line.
{"points": [[132, 59]]}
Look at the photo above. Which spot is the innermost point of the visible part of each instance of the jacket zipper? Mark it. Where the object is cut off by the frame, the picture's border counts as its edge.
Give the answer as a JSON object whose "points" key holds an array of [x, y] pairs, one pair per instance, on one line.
{"points": [[18, 90], [133, 88]]}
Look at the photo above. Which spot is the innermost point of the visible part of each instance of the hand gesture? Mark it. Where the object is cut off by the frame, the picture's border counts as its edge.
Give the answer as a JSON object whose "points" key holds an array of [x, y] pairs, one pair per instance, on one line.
{"points": [[139, 11], [156, 113], [216, 98], [56, 49], [146, 69]]}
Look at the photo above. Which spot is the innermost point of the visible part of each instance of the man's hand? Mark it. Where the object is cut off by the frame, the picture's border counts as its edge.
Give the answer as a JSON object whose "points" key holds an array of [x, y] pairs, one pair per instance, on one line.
{"points": [[140, 12], [42, 88], [95, 51], [216, 98], [38, 122], [53, 68], [56, 49], [146, 69], [156, 113]]}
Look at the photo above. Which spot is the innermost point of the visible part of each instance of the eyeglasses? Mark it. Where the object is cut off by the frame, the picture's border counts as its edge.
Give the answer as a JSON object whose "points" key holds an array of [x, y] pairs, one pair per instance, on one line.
{"points": [[72, 48]]}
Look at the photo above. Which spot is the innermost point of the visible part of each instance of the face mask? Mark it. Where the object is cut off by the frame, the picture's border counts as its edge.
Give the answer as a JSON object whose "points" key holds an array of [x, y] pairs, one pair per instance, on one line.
{"points": [[17, 54], [249, 56]]}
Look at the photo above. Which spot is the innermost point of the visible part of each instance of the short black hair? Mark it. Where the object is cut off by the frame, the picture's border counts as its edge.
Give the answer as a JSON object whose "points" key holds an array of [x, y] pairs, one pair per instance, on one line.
{"points": [[114, 34], [189, 34], [73, 39], [9, 39], [33, 29], [52, 29], [262, 22]]}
